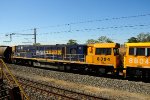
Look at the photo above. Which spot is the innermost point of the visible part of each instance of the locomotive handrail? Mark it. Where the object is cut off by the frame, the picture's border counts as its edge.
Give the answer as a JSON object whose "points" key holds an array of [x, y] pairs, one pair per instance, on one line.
{"points": [[12, 76], [74, 54], [78, 58]]}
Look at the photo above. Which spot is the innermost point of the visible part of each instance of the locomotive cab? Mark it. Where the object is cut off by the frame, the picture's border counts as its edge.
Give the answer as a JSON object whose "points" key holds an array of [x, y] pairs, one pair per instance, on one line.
{"points": [[105, 56]]}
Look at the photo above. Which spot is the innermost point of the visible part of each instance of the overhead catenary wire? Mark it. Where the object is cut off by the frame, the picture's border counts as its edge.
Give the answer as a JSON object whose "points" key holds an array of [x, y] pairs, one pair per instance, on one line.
{"points": [[70, 27], [81, 22], [100, 28], [97, 20]]}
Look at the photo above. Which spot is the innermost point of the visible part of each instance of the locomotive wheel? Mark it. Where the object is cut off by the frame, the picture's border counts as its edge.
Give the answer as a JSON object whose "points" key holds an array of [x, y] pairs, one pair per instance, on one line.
{"points": [[138, 73], [30, 63], [129, 73], [67, 68], [101, 71], [61, 67], [146, 75], [14, 61]]}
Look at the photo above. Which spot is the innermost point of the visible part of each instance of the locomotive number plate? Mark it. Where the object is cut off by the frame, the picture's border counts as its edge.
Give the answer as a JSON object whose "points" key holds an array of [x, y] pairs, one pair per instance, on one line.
{"points": [[138, 61], [103, 59]]}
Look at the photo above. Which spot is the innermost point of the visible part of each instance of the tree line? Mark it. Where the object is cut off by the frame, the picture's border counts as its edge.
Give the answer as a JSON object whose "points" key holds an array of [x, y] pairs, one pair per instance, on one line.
{"points": [[142, 37], [101, 39]]}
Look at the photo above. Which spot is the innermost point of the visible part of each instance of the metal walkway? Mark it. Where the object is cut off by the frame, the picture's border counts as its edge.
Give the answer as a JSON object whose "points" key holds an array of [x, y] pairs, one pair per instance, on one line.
{"points": [[10, 90]]}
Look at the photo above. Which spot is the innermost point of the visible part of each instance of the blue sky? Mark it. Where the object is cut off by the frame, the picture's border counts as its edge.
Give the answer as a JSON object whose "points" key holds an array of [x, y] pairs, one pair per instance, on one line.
{"points": [[19, 15]]}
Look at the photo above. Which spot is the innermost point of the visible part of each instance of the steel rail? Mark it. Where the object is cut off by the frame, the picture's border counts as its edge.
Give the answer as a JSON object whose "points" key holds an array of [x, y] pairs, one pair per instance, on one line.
{"points": [[55, 91]]}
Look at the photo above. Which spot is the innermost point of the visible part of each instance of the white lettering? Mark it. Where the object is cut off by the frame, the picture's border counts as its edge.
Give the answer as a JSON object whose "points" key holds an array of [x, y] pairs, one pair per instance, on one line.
{"points": [[135, 60], [141, 61], [147, 62], [130, 60]]}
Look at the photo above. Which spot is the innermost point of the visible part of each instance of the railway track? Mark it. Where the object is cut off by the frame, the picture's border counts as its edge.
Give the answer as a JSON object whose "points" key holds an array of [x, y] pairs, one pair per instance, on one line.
{"points": [[39, 91], [82, 84], [86, 72]]}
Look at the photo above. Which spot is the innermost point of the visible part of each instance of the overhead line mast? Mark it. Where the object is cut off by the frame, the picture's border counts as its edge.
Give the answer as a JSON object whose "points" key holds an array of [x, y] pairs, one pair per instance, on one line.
{"points": [[34, 35]]}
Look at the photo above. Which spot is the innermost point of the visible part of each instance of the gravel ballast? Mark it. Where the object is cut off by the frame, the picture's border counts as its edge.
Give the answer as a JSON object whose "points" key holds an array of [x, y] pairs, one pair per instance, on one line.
{"points": [[130, 88]]}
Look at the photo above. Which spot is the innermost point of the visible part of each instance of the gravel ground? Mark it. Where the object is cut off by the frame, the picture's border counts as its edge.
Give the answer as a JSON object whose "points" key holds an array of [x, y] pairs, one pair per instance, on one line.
{"points": [[132, 89]]}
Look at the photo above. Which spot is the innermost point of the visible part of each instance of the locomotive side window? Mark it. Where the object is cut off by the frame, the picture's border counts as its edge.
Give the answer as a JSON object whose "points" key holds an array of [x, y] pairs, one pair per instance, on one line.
{"points": [[103, 51], [148, 51], [116, 51], [137, 51], [131, 51], [140, 52], [97, 51]]}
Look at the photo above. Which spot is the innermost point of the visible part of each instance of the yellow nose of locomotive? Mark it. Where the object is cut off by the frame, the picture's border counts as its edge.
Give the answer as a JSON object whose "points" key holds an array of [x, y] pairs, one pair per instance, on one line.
{"points": [[104, 55]]}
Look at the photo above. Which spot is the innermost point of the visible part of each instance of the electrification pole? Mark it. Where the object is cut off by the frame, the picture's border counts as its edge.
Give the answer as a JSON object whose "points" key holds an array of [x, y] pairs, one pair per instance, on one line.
{"points": [[35, 35]]}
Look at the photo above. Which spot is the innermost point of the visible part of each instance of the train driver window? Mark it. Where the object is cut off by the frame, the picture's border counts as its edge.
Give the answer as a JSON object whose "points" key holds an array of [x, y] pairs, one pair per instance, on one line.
{"points": [[103, 51], [131, 51], [140, 52], [148, 51]]}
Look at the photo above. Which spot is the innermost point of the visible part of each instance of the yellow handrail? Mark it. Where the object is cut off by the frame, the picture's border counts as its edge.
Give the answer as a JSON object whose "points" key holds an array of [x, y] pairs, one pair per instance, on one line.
{"points": [[6, 76], [15, 80]]}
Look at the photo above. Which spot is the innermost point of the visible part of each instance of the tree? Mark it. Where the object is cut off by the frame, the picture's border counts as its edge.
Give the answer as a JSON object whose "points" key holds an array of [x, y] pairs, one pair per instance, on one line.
{"points": [[104, 39], [71, 42], [143, 37], [133, 39], [148, 38], [91, 41], [36, 44]]}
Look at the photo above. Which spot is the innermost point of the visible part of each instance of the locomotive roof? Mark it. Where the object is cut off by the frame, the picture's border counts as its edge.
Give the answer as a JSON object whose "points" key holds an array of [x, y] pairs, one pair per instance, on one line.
{"points": [[145, 44], [105, 45]]}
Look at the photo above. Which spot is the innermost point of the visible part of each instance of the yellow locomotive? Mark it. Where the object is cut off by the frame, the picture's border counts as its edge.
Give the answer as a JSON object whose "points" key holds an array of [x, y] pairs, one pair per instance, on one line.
{"points": [[104, 55], [137, 60]]}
